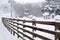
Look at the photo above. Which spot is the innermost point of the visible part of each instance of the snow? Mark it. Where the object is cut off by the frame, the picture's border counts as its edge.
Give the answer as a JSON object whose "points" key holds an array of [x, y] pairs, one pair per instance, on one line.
{"points": [[5, 34], [37, 19], [42, 26], [48, 27], [46, 13], [57, 17], [49, 7]]}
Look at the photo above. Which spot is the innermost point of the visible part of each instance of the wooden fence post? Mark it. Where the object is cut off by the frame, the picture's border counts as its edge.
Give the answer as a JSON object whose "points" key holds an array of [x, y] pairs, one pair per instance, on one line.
{"points": [[17, 29]]}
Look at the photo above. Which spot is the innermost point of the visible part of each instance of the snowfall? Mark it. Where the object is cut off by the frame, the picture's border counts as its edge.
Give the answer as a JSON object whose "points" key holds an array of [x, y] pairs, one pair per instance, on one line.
{"points": [[5, 34]]}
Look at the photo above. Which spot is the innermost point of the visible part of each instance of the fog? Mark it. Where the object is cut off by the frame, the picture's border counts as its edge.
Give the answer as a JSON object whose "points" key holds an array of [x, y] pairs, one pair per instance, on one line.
{"points": [[29, 1]]}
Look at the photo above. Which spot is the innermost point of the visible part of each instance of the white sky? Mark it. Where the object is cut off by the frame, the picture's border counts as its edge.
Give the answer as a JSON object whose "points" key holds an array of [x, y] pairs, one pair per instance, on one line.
{"points": [[28, 1]]}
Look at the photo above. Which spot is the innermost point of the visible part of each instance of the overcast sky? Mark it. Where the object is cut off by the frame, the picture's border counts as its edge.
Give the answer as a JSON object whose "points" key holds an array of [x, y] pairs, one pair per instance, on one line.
{"points": [[29, 1], [21, 1], [3, 2]]}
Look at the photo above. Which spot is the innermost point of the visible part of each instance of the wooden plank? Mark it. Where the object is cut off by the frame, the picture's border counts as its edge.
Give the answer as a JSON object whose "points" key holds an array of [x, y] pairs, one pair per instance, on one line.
{"points": [[15, 32], [44, 38], [44, 30], [21, 33]]}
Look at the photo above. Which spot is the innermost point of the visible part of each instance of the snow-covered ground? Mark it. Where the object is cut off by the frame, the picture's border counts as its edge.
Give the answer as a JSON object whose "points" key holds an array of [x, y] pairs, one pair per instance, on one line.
{"points": [[5, 34]]}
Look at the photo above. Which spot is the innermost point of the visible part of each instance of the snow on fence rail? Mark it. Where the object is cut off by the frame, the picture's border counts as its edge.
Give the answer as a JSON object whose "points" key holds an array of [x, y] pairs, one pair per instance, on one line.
{"points": [[14, 29]]}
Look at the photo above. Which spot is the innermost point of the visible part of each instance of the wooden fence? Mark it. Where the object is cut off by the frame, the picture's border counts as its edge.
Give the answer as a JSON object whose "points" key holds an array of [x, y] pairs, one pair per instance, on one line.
{"points": [[9, 24]]}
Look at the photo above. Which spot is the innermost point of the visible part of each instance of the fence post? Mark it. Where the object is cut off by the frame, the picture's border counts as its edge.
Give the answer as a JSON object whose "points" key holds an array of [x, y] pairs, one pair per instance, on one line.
{"points": [[23, 25], [33, 24], [57, 36], [17, 29], [13, 32]]}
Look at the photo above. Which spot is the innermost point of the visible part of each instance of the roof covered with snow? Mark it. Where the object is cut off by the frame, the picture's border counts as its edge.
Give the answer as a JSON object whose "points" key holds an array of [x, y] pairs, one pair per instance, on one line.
{"points": [[45, 14]]}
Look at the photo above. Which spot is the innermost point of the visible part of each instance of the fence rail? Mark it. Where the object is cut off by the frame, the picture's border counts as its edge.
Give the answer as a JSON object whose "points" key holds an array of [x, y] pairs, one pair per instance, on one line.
{"points": [[14, 29]]}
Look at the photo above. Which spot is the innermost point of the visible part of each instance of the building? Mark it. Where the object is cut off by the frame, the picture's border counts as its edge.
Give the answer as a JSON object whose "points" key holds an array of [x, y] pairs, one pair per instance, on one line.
{"points": [[46, 15]]}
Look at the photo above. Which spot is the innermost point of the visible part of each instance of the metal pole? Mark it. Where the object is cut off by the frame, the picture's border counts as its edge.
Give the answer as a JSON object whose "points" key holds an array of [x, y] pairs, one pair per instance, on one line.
{"points": [[11, 8]]}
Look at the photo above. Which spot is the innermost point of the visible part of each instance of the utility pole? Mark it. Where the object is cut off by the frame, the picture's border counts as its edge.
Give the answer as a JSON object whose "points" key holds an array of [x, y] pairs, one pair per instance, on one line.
{"points": [[11, 8], [10, 1]]}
